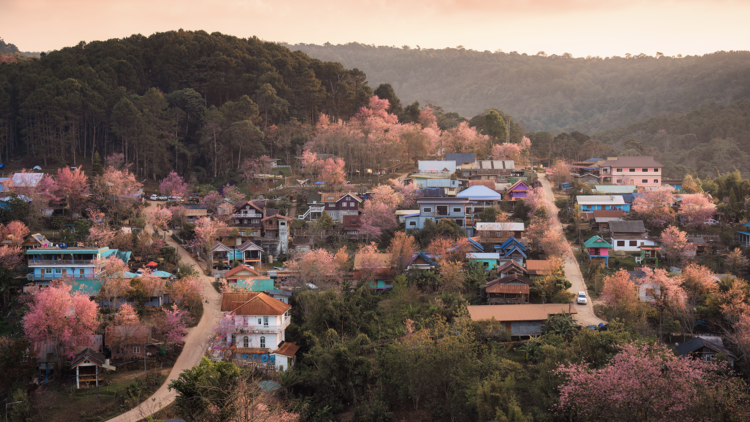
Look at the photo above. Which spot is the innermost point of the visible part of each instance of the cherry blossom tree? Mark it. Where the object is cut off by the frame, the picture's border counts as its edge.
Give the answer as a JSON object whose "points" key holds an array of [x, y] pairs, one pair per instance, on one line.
{"points": [[560, 172], [125, 329], [733, 301], [666, 291], [174, 185], [676, 245], [37, 194], [697, 282], [126, 315], [385, 194], [736, 261], [160, 218], [402, 249], [61, 318], [553, 242], [332, 173], [452, 276], [620, 294], [378, 218], [185, 290], [370, 263], [72, 185], [99, 232], [117, 190], [17, 230], [233, 194], [206, 233], [696, 209], [739, 335], [407, 191], [254, 166], [506, 151], [112, 275], [655, 207], [536, 198], [624, 389], [464, 138], [172, 325], [310, 163], [317, 266], [11, 257], [212, 200]]}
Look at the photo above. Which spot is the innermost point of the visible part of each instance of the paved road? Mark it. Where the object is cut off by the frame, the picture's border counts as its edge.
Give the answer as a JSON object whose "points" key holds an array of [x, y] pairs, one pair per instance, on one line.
{"points": [[585, 314], [195, 343]]}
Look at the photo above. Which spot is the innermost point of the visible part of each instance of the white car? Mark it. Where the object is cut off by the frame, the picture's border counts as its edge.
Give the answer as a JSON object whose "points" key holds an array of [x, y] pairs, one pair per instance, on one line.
{"points": [[153, 197], [162, 198], [582, 298], [711, 222]]}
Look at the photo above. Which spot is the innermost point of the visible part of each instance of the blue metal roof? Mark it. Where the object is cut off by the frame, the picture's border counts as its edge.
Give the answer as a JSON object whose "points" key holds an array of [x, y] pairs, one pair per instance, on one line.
{"points": [[745, 233], [514, 248]]}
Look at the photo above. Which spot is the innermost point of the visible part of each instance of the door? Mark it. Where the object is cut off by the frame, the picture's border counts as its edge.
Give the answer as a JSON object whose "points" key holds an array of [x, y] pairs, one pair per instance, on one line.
{"points": [[64, 272]]}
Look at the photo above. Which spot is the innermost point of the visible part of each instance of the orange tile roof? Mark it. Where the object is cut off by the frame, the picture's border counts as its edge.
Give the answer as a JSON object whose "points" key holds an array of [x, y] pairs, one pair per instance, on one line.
{"points": [[239, 268], [287, 349], [252, 303], [538, 265], [510, 313], [509, 288]]}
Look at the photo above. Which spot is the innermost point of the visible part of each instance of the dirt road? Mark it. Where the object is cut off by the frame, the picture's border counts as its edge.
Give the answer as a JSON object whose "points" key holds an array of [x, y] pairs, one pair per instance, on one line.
{"points": [[195, 343], [585, 314]]}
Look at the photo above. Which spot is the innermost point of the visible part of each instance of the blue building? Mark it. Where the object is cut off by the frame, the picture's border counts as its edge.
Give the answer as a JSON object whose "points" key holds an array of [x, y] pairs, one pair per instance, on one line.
{"points": [[437, 209], [589, 203], [61, 261]]}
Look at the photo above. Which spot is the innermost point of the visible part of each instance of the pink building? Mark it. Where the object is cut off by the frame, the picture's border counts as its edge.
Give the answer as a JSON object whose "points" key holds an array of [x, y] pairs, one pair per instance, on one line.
{"points": [[634, 171]]}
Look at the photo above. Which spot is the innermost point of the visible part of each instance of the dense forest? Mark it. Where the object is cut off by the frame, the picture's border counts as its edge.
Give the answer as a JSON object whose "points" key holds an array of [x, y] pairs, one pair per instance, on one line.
{"points": [[181, 99], [552, 93]]}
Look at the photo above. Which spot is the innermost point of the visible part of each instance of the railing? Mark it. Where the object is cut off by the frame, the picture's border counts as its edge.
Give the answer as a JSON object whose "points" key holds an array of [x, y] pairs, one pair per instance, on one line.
{"points": [[62, 262], [311, 210], [54, 276], [245, 215], [262, 328]]}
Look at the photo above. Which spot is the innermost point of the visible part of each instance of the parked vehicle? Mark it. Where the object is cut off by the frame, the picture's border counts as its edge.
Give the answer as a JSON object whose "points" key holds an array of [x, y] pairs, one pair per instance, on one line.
{"points": [[711, 222], [162, 198], [582, 298], [153, 197]]}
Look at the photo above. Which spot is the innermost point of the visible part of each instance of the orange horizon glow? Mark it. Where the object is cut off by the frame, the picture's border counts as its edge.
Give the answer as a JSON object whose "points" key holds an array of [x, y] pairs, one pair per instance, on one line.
{"points": [[580, 27]]}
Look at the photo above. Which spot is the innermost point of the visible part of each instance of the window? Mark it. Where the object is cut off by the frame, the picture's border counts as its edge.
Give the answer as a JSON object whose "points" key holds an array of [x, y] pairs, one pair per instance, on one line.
{"points": [[265, 321], [644, 180], [456, 209], [58, 270], [620, 243], [343, 204], [619, 170], [136, 349], [262, 341], [460, 222], [645, 170], [619, 180], [427, 209], [633, 243], [246, 342], [260, 321], [656, 170], [656, 180], [631, 170], [442, 209], [81, 271], [412, 223], [234, 339], [351, 204]]}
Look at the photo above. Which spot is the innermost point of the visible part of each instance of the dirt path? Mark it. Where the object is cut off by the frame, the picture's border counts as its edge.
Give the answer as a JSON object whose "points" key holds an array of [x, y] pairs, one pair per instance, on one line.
{"points": [[585, 314], [195, 343]]}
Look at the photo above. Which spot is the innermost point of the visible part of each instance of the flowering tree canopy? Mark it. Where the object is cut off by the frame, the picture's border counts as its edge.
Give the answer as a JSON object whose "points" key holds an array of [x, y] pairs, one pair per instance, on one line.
{"points": [[655, 206], [72, 185], [696, 209], [174, 185], [676, 244]]}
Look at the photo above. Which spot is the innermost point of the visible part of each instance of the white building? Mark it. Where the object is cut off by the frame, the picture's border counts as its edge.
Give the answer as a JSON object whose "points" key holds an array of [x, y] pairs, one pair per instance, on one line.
{"points": [[629, 235], [258, 329]]}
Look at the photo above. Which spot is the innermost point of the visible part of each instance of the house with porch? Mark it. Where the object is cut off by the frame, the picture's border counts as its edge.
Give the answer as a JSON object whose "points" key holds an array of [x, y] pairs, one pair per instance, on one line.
{"points": [[422, 261], [742, 236], [488, 261], [597, 247], [302, 244], [194, 212], [538, 267], [247, 253], [508, 269], [436, 209], [352, 226], [464, 160], [522, 320], [499, 232], [130, 341], [512, 250], [640, 171], [337, 205], [706, 349], [511, 289], [588, 203], [436, 181], [630, 235], [275, 240], [493, 170], [517, 190], [602, 218], [70, 262], [258, 326]]}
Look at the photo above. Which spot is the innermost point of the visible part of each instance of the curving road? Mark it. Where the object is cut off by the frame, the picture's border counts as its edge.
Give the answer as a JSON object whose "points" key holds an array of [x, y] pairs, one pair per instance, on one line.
{"points": [[585, 315], [195, 343]]}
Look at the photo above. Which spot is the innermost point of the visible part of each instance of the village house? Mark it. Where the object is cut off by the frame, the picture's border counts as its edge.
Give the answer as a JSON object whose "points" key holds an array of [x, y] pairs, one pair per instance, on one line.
{"points": [[464, 160], [62, 261], [302, 244], [130, 341], [432, 167], [743, 236], [511, 250], [614, 189], [430, 181], [315, 207], [602, 202], [338, 205], [249, 279], [587, 177], [538, 267], [91, 368], [487, 261], [510, 268], [499, 232], [437, 209], [481, 197], [705, 348], [378, 270], [421, 261], [194, 212], [517, 190], [523, 320], [275, 240], [352, 226], [258, 327], [641, 171], [629, 235], [597, 247], [223, 253], [494, 170], [511, 289], [600, 219]]}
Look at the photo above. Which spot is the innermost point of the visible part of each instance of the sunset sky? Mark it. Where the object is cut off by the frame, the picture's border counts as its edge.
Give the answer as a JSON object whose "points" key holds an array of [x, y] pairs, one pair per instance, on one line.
{"points": [[580, 27]]}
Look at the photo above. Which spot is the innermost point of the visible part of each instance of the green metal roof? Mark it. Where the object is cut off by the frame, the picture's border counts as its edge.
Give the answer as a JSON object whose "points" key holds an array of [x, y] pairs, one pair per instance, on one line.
{"points": [[70, 251], [596, 242]]}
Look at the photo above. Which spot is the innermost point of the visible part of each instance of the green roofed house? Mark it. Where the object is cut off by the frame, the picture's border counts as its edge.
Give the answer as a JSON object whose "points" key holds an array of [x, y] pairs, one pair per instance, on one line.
{"points": [[597, 247], [248, 279], [79, 264]]}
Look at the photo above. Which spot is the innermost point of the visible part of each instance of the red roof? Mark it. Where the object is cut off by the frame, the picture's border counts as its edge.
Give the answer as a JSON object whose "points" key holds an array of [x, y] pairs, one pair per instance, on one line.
{"points": [[252, 303], [239, 268], [152, 264], [287, 349], [352, 222]]}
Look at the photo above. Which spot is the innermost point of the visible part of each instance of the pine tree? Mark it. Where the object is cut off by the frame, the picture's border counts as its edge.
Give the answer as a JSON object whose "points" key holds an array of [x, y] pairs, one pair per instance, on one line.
{"points": [[98, 168]]}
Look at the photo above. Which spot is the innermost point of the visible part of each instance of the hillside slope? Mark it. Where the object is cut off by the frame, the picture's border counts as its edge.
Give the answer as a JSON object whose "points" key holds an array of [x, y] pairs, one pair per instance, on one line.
{"points": [[549, 93]]}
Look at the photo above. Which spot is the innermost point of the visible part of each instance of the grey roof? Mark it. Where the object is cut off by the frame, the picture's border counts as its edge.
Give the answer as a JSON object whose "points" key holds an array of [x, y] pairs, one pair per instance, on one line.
{"points": [[496, 165], [460, 157], [627, 226], [697, 342]]}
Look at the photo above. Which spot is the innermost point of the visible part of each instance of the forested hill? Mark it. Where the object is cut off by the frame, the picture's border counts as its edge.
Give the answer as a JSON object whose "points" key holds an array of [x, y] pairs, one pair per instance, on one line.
{"points": [[549, 93], [179, 99], [706, 141]]}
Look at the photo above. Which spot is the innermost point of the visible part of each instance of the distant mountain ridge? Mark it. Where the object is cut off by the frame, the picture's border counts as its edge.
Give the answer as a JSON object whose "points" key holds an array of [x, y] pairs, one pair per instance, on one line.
{"points": [[549, 93]]}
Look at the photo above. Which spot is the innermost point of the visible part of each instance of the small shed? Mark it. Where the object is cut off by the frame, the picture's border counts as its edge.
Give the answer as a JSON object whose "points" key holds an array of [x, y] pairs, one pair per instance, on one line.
{"points": [[90, 367], [705, 349]]}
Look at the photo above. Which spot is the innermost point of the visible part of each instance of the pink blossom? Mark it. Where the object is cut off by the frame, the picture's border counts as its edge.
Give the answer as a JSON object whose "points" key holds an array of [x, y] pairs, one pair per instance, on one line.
{"points": [[174, 185], [696, 209]]}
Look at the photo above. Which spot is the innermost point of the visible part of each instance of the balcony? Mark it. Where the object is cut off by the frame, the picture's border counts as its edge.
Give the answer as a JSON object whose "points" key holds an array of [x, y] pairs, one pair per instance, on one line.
{"points": [[62, 262], [247, 215], [55, 276], [262, 328]]}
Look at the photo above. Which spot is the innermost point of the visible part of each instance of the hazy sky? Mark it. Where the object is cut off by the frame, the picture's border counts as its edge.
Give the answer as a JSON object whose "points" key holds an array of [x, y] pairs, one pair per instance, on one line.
{"points": [[580, 27]]}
